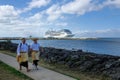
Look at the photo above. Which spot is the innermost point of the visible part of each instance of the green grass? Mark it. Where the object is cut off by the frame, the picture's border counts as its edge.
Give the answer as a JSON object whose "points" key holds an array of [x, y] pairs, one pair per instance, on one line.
{"points": [[9, 73], [8, 53]]}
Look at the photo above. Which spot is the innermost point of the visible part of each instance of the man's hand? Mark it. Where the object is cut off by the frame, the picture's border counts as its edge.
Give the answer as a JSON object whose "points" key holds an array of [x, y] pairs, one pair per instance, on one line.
{"points": [[19, 55]]}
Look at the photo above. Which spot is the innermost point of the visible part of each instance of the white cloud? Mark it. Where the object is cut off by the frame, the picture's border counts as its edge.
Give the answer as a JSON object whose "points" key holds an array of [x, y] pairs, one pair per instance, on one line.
{"points": [[53, 13], [36, 19], [38, 3], [77, 7], [7, 11], [35, 4], [33, 25], [99, 33], [115, 3], [83, 6], [61, 24], [11, 24], [7, 14]]}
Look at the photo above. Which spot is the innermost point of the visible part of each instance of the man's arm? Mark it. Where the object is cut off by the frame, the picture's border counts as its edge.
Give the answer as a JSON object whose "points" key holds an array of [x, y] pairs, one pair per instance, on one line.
{"points": [[18, 50]]}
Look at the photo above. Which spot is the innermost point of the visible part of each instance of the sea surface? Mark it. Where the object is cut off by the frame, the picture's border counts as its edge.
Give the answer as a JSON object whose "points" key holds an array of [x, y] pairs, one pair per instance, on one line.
{"points": [[109, 46]]}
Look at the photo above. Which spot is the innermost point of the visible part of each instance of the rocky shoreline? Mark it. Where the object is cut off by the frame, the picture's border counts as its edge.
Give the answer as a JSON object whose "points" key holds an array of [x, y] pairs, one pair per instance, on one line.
{"points": [[77, 59]]}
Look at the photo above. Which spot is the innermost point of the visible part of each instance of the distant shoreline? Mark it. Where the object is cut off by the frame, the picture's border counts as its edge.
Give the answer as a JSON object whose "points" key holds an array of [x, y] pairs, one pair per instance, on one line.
{"points": [[18, 38], [51, 38]]}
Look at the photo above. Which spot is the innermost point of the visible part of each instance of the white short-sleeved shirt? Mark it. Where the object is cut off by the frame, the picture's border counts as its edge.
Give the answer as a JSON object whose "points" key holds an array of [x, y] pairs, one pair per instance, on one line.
{"points": [[35, 46], [22, 48]]}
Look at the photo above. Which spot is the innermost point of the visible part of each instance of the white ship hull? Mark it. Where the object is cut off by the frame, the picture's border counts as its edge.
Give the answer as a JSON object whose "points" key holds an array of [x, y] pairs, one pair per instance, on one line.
{"points": [[58, 34]]}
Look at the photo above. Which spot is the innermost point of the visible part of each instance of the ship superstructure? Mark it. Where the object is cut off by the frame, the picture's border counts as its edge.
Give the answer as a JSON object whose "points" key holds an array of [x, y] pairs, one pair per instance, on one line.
{"points": [[64, 33]]}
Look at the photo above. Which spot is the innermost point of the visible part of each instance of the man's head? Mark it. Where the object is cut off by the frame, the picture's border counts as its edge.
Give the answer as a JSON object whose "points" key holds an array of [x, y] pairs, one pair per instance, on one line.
{"points": [[35, 40], [23, 40]]}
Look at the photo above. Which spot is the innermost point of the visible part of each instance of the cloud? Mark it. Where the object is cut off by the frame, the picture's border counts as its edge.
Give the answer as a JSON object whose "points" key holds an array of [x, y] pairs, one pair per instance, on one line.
{"points": [[38, 3], [114, 3], [61, 24], [54, 12], [12, 24], [35, 4], [34, 25], [7, 14], [79, 7], [99, 33], [7, 11]]}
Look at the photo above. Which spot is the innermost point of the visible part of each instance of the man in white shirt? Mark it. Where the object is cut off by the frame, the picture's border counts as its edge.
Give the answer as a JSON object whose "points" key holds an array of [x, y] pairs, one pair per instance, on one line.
{"points": [[35, 50], [22, 54]]}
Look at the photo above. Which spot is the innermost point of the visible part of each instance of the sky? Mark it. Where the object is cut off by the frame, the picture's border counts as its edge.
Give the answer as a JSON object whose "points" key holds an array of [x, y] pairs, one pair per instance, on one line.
{"points": [[85, 18]]}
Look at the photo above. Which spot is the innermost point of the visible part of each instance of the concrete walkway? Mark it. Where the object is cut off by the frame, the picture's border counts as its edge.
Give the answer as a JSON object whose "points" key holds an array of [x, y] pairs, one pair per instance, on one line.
{"points": [[41, 74]]}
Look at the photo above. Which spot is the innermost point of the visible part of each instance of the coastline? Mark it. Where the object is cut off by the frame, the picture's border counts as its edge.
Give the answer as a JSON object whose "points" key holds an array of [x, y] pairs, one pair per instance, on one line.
{"points": [[86, 62], [42, 38]]}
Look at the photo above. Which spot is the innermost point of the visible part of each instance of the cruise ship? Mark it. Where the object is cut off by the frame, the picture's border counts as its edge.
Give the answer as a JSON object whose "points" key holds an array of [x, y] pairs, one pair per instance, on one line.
{"points": [[64, 33]]}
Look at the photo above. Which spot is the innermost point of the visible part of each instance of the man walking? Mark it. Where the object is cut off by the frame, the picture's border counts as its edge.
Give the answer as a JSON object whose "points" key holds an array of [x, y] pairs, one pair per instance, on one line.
{"points": [[35, 50], [22, 54]]}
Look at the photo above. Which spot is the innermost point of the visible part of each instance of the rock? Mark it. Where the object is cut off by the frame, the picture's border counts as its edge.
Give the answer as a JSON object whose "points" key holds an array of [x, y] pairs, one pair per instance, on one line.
{"points": [[13, 47], [74, 57], [69, 64], [107, 66], [77, 64], [61, 62], [80, 50], [86, 66], [115, 76]]}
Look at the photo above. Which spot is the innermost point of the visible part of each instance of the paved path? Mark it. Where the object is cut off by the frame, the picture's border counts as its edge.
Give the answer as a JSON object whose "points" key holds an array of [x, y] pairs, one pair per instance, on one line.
{"points": [[41, 74]]}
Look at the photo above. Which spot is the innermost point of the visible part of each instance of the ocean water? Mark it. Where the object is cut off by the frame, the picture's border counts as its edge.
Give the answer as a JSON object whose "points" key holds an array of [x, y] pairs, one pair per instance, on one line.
{"points": [[109, 46]]}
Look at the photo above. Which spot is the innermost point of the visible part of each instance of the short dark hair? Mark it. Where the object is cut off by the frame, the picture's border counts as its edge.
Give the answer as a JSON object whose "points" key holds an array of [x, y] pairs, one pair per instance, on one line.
{"points": [[22, 38]]}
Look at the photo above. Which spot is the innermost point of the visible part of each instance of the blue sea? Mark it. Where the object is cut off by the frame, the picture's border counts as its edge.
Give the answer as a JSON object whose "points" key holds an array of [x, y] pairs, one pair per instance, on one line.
{"points": [[109, 46]]}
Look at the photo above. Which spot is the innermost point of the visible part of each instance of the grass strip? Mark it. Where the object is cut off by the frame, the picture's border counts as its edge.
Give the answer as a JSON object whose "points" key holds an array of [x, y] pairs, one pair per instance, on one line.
{"points": [[10, 70]]}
